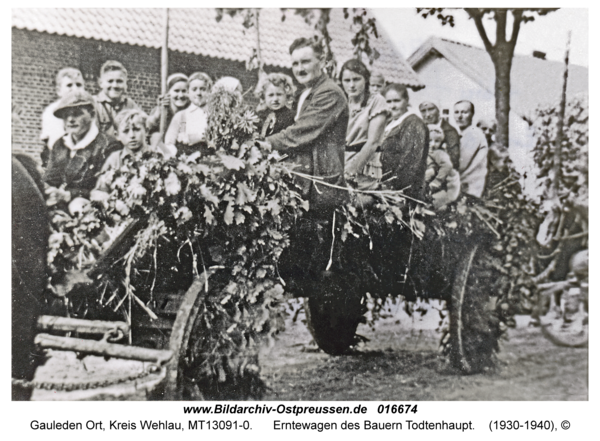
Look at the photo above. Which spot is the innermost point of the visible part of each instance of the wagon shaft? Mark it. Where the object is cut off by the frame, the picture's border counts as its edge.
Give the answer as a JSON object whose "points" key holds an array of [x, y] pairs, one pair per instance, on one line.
{"points": [[103, 348], [65, 324]]}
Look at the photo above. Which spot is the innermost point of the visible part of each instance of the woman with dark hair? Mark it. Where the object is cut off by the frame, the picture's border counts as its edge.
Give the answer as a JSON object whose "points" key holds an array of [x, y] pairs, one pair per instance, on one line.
{"points": [[368, 116], [405, 144]]}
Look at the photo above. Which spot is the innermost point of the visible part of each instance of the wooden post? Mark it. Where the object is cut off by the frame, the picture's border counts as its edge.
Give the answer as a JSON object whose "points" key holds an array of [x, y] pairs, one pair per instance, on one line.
{"points": [[258, 53], [164, 71], [561, 120]]}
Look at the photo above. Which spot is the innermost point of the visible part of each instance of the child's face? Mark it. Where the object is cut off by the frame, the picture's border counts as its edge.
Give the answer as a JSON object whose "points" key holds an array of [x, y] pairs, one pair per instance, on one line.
{"points": [[488, 130], [132, 134], [68, 84], [179, 94], [114, 84], [198, 92], [376, 85], [275, 97], [435, 141]]}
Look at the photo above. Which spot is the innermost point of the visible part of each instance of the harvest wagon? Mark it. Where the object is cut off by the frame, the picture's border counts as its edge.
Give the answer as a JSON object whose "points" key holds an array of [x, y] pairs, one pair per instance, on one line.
{"points": [[210, 246]]}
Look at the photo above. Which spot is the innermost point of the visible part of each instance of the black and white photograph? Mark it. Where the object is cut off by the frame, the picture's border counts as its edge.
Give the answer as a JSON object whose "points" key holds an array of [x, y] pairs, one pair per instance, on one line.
{"points": [[299, 205]]}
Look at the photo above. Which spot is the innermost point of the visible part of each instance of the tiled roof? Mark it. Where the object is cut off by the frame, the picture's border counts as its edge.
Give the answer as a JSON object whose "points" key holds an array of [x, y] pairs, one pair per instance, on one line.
{"points": [[533, 80], [196, 31]]}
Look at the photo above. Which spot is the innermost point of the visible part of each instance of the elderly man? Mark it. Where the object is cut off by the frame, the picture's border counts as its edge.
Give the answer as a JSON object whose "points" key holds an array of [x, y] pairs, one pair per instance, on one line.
{"points": [[316, 140], [430, 112], [473, 150], [77, 157]]}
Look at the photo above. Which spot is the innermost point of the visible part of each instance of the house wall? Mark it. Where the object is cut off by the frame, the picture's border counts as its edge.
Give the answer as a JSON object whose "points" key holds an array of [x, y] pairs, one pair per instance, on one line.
{"points": [[37, 57], [446, 84]]}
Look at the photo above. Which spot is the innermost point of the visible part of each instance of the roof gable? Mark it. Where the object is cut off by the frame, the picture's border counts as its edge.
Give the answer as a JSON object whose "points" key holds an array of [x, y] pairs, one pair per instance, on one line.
{"points": [[533, 81], [196, 31]]}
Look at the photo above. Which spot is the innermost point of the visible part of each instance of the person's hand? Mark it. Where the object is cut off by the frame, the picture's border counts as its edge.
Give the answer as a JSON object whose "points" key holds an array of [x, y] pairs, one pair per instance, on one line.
{"points": [[164, 100], [264, 145], [56, 195], [99, 196], [78, 205], [351, 169]]}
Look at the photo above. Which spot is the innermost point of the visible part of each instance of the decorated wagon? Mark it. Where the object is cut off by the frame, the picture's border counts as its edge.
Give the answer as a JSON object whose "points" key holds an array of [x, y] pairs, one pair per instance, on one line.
{"points": [[190, 259]]}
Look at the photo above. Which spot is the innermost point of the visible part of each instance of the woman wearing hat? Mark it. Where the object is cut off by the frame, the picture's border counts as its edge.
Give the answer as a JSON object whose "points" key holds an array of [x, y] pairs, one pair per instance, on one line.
{"points": [[175, 100], [77, 157]]}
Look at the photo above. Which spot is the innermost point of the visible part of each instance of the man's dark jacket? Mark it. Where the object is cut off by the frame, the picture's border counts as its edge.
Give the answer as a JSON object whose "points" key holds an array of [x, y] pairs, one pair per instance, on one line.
{"points": [[316, 141], [80, 172]]}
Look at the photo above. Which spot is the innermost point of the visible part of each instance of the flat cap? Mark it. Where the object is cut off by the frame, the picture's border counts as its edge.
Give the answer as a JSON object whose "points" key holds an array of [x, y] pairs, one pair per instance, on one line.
{"points": [[76, 98]]}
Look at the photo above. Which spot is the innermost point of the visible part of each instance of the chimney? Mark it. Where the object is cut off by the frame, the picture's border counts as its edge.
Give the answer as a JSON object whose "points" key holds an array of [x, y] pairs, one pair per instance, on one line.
{"points": [[539, 54]]}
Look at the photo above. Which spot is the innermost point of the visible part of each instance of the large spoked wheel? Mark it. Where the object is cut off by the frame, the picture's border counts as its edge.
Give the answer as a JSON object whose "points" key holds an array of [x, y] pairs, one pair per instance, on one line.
{"points": [[474, 330], [567, 323], [176, 387], [333, 314]]}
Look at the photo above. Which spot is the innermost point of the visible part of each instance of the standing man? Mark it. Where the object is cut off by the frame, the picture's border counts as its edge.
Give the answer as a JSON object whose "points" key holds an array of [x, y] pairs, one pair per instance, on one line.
{"points": [[316, 140], [473, 150], [430, 113]]}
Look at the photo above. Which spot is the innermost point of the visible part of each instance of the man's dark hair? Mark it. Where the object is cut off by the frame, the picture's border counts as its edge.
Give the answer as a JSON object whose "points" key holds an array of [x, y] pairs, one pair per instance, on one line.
{"points": [[313, 43], [469, 103]]}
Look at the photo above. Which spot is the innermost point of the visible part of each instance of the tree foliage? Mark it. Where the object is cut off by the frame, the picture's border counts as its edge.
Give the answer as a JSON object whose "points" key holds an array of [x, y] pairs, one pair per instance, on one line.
{"points": [[229, 211], [319, 18], [501, 48]]}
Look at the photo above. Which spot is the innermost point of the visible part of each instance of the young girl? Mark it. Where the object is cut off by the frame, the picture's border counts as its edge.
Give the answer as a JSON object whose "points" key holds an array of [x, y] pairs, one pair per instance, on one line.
{"points": [[276, 92], [443, 180], [188, 126], [368, 117], [175, 100]]}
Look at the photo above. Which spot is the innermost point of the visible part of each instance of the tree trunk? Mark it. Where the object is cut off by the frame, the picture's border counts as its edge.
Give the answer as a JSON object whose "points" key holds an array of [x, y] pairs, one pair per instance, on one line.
{"points": [[502, 59]]}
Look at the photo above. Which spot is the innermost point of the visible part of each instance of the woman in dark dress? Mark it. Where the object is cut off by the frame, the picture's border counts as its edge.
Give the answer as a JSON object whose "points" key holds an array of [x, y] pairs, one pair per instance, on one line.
{"points": [[405, 144]]}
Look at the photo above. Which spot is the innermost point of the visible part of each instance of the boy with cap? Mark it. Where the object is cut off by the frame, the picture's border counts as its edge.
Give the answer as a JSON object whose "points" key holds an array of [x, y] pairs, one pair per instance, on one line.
{"points": [[113, 98], [77, 157], [67, 80]]}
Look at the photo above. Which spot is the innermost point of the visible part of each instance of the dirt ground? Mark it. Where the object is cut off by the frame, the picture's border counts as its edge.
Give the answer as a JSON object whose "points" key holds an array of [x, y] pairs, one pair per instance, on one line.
{"points": [[400, 360]]}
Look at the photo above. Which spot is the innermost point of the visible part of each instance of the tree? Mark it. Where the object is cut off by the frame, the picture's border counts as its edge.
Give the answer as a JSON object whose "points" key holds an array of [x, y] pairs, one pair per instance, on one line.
{"points": [[319, 19], [501, 51]]}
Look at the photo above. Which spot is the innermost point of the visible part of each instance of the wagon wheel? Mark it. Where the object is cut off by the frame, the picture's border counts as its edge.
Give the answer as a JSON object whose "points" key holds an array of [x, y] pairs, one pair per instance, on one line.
{"points": [[562, 326], [180, 336], [333, 314], [474, 332]]}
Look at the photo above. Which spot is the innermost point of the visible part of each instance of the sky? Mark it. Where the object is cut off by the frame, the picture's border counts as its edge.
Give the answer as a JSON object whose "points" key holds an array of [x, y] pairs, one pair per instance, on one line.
{"points": [[548, 34]]}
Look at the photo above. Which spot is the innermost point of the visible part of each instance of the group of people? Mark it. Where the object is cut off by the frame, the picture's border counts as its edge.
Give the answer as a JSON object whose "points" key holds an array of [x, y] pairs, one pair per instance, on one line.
{"points": [[365, 128]]}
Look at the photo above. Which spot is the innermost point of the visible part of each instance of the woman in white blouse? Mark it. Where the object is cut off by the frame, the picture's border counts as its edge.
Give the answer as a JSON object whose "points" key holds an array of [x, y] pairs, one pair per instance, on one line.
{"points": [[188, 127]]}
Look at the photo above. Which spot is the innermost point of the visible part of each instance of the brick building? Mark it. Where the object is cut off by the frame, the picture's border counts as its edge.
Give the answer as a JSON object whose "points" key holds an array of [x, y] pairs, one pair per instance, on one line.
{"points": [[46, 40]]}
